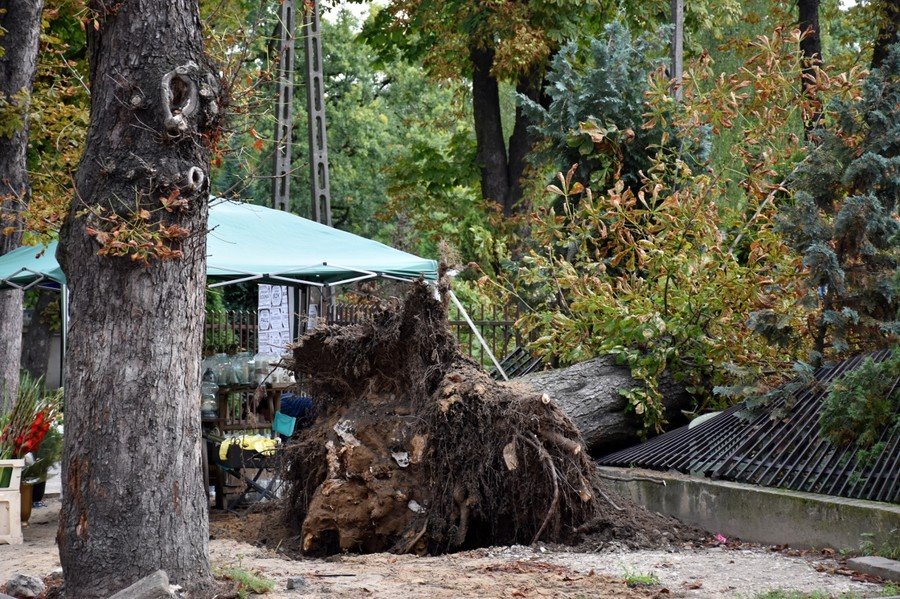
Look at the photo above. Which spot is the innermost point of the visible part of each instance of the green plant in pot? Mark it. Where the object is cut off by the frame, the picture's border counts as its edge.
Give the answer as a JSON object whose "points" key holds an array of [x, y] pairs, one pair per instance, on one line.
{"points": [[47, 455], [23, 429]]}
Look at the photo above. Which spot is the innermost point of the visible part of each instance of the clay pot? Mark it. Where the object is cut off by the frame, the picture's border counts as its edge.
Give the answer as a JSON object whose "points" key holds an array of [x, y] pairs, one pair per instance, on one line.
{"points": [[25, 491]]}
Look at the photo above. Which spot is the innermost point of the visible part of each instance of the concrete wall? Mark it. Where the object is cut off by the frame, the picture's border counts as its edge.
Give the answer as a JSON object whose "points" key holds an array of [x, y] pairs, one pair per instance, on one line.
{"points": [[759, 514]]}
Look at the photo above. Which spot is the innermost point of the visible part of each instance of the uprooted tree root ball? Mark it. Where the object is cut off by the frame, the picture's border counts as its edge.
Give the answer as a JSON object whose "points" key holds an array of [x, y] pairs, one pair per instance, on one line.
{"points": [[416, 449]]}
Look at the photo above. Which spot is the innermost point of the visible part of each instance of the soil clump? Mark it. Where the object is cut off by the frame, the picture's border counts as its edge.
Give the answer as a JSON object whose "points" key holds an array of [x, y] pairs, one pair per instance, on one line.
{"points": [[415, 449]]}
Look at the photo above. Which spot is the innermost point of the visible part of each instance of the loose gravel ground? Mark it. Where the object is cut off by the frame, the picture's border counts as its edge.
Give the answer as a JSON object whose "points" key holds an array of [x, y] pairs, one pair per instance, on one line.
{"points": [[498, 572]]}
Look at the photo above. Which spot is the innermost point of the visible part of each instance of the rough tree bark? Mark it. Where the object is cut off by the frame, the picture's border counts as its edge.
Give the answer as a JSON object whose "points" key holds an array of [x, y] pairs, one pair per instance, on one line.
{"points": [[21, 20], [491, 148], [501, 171], [588, 392], [811, 47], [132, 500], [36, 340], [888, 30]]}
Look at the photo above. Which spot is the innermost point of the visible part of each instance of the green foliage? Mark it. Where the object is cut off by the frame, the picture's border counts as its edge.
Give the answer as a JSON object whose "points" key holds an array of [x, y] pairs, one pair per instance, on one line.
{"points": [[595, 115], [58, 117], [634, 578], [48, 455], [644, 276], [523, 35], [12, 112], [844, 217], [247, 582], [440, 33], [217, 334], [665, 274], [401, 151], [863, 404], [33, 414]]}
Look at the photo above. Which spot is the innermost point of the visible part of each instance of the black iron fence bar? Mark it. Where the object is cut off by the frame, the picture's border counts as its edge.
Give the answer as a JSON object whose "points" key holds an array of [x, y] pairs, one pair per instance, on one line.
{"points": [[237, 329]]}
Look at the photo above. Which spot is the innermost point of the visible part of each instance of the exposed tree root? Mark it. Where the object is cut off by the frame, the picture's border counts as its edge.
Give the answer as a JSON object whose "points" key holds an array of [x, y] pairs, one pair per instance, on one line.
{"points": [[416, 449]]}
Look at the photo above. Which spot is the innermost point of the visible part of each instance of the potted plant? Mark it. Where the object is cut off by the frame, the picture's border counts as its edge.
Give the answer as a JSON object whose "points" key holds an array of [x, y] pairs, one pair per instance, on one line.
{"points": [[48, 454], [23, 429]]}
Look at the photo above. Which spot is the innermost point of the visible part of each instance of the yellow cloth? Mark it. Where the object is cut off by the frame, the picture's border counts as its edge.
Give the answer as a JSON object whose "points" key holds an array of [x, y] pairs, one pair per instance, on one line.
{"points": [[259, 443]]}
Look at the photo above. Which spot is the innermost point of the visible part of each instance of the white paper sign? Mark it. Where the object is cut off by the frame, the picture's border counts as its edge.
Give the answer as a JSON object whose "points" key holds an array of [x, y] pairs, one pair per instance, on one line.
{"points": [[273, 318]]}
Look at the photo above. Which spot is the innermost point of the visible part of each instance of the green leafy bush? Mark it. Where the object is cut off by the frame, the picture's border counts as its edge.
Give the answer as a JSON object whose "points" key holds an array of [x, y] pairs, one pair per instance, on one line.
{"points": [[664, 274], [597, 102], [864, 403], [48, 454], [844, 218]]}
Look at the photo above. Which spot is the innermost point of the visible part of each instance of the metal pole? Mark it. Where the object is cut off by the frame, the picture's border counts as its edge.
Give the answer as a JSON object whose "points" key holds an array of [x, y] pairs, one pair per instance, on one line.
{"points": [[320, 184], [475, 330], [64, 332], [281, 181], [677, 50]]}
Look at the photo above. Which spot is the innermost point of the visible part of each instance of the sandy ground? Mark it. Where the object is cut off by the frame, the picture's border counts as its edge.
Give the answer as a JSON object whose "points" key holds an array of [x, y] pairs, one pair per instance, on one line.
{"points": [[498, 572]]}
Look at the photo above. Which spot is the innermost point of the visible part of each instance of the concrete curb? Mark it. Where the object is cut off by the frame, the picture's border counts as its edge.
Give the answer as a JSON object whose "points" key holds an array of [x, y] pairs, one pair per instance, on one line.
{"points": [[882, 567], [759, 514]]}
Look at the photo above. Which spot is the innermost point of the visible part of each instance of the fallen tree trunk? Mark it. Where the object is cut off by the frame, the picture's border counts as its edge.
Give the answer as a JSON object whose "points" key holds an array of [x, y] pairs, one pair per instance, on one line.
{"points": [[416, 449], [588, 392]]}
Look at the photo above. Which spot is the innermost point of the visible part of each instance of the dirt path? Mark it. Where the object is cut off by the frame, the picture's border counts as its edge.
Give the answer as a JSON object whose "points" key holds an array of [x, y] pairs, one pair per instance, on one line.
{"points": [[498, 572]]}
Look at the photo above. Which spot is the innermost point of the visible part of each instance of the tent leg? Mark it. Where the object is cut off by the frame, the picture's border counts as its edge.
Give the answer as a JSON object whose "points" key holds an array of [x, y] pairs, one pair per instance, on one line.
{"points": [[477, 334], [64, 332]]}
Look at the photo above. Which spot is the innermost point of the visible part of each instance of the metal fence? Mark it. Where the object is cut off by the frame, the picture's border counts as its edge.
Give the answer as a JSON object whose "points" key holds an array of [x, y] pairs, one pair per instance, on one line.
{"points": [[237, 329], [780, 447]]}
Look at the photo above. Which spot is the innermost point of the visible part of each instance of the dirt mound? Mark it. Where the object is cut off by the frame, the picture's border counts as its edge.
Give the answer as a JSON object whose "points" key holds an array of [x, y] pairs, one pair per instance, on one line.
{"points": [[416, 449]]}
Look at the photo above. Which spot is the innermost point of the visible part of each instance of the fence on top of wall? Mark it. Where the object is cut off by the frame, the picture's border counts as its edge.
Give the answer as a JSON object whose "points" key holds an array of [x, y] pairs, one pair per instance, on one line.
{"points": [[236, 330]]}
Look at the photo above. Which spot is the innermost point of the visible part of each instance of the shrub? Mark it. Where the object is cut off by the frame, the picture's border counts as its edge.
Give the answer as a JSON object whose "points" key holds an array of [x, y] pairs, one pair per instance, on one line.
{"points": [[864, 403]]}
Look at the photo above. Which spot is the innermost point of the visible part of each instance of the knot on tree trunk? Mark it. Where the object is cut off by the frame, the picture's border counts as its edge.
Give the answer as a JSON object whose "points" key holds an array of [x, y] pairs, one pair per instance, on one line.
{"points": [[190, 99], [179, 98]]}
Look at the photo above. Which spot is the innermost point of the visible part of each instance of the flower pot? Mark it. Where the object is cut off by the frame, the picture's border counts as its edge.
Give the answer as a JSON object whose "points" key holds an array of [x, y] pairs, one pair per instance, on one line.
{"points": [[27, 501], [37, 491]]}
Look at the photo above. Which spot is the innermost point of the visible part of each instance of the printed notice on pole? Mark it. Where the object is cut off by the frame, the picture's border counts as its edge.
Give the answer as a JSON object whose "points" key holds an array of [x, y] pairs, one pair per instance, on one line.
{"points": [[273, 319]]}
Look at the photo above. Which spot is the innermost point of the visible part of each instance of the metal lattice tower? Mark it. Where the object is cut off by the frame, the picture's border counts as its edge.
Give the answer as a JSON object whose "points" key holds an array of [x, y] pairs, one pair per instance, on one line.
{"points": [[315, 106], [677, 49], [281, 182]]}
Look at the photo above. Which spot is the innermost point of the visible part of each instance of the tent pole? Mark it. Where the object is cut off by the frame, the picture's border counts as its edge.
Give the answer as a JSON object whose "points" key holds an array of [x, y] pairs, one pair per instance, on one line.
{"points": [[477, 334], [64, 332]]}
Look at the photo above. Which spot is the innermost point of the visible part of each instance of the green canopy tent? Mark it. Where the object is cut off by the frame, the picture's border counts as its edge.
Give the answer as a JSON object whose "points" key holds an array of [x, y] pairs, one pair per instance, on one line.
{"points": [[254, 243], [246, 243]]}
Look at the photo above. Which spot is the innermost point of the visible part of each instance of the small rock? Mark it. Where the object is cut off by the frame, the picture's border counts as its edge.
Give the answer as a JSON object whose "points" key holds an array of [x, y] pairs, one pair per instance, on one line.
{"points": [[153, 586], [401, 457], [296, 582], [21, 586], [878, 566]]}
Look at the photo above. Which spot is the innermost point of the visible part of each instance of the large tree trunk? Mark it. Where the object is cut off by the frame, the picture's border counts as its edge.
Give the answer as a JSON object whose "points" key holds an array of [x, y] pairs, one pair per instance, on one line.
{"points": [[21, 21], [501, 171], [489, 141], [133, 501], [887, 31], [811, 47], [523, 140], [588, 392], [36, 340]]}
